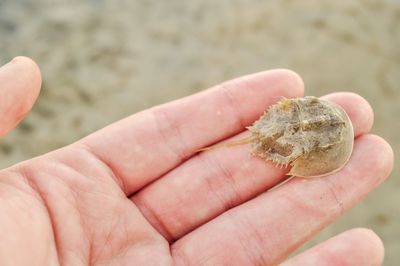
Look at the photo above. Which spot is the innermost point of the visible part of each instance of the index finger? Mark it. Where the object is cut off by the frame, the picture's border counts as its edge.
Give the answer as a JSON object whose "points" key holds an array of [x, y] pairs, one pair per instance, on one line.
{"points": [[146, 145]]}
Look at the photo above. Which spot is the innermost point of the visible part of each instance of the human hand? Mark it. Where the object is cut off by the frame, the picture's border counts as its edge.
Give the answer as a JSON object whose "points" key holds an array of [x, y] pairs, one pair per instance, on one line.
{"points": [[138, 193]]}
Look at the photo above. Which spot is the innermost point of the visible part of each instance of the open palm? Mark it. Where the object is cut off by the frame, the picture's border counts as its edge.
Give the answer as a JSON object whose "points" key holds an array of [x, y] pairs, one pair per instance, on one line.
{"points": [[138, 193]]}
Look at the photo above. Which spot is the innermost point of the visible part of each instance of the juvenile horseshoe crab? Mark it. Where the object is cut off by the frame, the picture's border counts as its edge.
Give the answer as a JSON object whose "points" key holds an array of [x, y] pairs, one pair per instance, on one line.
{"points": [[314, 136]]}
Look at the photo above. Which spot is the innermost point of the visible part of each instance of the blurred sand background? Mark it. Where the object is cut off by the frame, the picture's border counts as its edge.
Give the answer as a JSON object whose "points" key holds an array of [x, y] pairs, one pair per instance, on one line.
{"points": [[103, 60]]}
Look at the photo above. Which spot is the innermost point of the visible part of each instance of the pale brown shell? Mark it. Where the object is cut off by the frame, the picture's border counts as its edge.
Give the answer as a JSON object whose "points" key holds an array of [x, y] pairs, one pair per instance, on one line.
{"points": [[314, 136]]}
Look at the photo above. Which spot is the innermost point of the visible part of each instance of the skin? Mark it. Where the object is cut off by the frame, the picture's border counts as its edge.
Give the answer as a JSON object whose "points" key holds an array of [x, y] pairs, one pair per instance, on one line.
{"points": [[138, 193]]}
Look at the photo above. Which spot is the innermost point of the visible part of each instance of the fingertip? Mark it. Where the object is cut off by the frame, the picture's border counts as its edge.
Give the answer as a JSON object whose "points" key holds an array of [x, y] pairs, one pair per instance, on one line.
{"points": [[31, 71], [358, 246], [383, 153], [278, 83], [370, 165], [20, 82], [357, 108], [293, 79], [368, 242], [291, 84]]}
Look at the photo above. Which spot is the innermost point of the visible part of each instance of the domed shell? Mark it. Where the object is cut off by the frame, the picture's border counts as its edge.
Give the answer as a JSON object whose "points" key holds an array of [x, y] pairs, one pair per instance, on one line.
{"points": [[314, 136]]}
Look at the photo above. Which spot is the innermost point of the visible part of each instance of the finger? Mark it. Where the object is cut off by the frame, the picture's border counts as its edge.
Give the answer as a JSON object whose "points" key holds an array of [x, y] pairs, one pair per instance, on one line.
{"points": [[20, 82], [265, 230], [146, 145], [357, 108], [354, 247], [217, 180]]}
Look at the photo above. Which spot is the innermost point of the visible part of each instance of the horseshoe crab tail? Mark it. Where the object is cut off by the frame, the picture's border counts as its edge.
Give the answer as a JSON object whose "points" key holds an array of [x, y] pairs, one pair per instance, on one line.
{"points": [[228, 144]]}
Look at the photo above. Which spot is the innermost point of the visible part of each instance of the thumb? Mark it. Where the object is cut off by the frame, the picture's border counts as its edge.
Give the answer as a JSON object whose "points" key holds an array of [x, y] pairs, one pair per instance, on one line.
{"points": [[20, 82]]}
